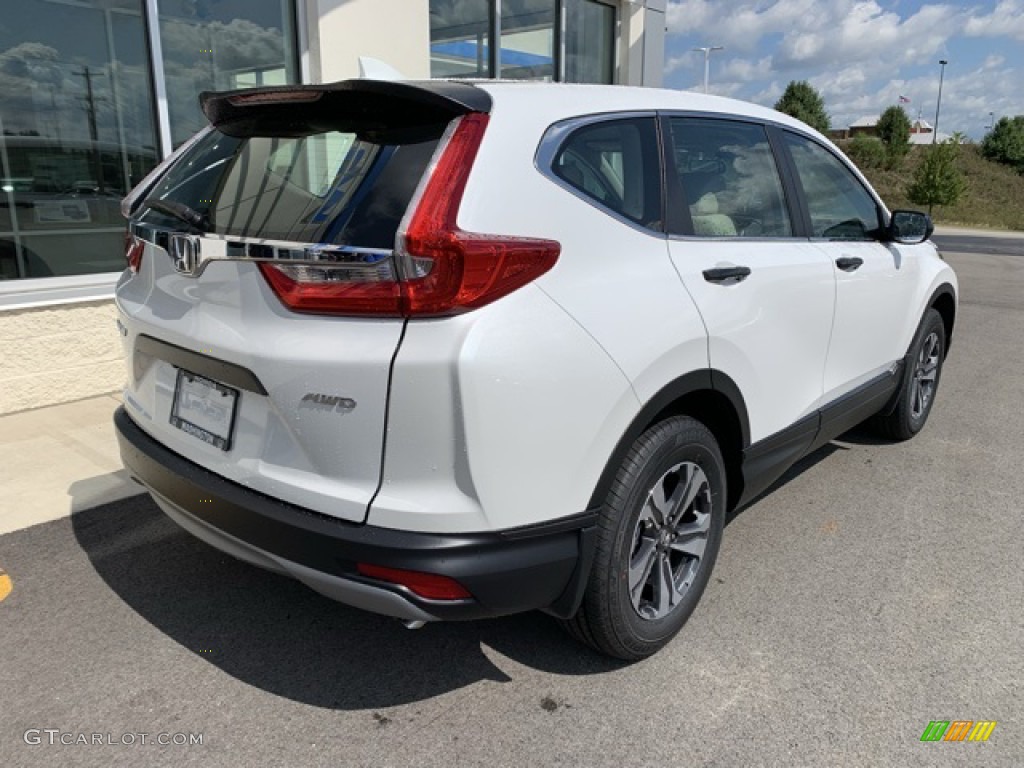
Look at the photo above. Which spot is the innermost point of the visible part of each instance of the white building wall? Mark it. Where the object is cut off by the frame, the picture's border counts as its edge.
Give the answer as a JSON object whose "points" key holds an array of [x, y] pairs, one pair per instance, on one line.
{"points": [[642, 42], [57, 354], [396, 32]]}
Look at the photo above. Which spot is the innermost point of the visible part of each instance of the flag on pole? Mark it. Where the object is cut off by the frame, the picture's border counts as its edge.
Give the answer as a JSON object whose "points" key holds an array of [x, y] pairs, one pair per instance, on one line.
{"points": [[904, 99]]}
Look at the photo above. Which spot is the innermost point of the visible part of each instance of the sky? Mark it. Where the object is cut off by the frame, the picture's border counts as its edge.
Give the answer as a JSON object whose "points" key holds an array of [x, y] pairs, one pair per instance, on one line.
{"points": [[861, 55]]}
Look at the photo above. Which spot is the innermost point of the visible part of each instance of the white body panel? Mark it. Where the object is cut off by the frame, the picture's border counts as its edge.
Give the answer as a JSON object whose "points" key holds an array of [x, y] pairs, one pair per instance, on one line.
{"points": [[492, 419], [318, 458], [874, 321], [770, 332]]}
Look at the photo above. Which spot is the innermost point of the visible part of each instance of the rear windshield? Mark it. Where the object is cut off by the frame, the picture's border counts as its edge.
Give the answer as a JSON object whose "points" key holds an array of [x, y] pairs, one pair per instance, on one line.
{"points": [[327, 187]]}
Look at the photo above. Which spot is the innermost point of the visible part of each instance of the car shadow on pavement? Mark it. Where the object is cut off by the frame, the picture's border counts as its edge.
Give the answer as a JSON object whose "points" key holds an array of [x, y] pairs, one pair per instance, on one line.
{"points": [[274, 633]]}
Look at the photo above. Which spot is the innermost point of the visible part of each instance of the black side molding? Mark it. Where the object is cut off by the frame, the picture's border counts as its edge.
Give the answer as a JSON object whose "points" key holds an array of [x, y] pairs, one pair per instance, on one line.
{"points": [[148, 349], [765, 461], [944, 300], [705, 380], [856, 406]]}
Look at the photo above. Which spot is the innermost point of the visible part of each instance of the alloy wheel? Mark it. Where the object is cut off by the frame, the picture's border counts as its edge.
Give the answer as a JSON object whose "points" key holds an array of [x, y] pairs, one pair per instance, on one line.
{"points": [[925, 373], [669, 540]]}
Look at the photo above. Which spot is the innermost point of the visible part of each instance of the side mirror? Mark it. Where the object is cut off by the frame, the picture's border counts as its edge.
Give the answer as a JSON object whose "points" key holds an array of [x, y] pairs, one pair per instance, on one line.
{"points": [[909, 227]]}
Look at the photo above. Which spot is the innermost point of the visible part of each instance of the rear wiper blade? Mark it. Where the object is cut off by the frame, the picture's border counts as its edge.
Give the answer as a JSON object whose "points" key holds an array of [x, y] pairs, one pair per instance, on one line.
{"points": [[179, 211]]}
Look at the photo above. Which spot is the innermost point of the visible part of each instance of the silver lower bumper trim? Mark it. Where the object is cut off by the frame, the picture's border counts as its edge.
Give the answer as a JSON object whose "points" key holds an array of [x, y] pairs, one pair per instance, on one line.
{"points": [[354, 593]]}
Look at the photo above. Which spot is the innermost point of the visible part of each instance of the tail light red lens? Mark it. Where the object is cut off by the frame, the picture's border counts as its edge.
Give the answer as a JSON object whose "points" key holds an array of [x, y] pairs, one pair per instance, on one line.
{"points": [[437, 268], [429, 585], [447, 270], [334, 290], [133, 249]]}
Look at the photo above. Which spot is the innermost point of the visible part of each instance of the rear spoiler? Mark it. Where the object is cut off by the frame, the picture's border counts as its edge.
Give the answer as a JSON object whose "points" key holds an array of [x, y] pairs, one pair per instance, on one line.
{"points": [[367, 105]]}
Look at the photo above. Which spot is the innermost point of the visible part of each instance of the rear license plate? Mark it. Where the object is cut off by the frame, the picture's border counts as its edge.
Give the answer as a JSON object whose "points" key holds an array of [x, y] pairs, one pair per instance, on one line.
{"points": [[204, 408]]}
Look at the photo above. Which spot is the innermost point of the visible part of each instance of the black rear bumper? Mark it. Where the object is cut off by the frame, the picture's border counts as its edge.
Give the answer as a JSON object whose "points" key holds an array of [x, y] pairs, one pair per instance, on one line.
{"points": [[538, 567]]}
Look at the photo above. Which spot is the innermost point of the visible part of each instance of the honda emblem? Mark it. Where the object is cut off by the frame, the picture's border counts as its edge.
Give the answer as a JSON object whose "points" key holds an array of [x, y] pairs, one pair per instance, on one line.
{"points": [[184, 250]]}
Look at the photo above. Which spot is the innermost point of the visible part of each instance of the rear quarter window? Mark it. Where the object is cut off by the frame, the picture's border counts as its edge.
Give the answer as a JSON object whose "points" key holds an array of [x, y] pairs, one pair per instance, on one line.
{"points": [[615, 164]]}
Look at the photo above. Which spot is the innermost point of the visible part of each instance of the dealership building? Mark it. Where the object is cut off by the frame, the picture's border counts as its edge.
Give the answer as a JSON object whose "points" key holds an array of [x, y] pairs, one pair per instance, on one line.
{"points": [[94, 93]]}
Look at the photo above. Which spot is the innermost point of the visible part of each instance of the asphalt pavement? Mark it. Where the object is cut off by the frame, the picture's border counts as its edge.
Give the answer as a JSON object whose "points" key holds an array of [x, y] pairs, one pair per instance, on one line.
{"points": [[979, 242], [877, 588]]}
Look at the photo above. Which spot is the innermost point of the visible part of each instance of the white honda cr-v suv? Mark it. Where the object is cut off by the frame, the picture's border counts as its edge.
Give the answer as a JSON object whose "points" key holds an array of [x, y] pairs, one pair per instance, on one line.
{"points": [[445, 350]]}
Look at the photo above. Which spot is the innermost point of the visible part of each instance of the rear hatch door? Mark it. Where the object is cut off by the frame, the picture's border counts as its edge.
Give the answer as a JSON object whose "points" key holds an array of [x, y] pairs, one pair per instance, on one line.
{"points": [[257, 326]]}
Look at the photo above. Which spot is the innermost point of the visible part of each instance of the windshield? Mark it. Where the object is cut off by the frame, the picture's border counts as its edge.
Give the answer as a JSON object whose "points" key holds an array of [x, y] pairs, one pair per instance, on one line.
{"points": [[327, 187]]}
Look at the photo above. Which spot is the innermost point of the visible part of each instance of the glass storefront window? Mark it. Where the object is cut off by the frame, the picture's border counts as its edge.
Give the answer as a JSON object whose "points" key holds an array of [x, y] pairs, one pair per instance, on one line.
{"points": [[217, 45], [461, 33], [589, 42], [460, 38], [77, 111], [76, 133], [528, 39]]}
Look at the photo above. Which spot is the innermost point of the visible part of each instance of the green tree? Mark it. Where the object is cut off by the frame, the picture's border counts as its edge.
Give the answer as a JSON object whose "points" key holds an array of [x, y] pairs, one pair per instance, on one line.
{"points": [[1005, 142], [866, 151], [801, 101], [938, 180], [894, 131]]}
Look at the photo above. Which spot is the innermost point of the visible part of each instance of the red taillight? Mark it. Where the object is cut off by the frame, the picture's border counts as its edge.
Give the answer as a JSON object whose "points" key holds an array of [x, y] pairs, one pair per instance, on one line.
{"points": [[274, 97], [333, 290], [437, 268], [448, 271], [429, 585], [133, 248]]}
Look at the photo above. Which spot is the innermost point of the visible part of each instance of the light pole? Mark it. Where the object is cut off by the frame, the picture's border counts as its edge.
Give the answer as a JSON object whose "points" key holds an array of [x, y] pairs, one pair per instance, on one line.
{"points": [[991, 120], [707, 49], [938, 103]]}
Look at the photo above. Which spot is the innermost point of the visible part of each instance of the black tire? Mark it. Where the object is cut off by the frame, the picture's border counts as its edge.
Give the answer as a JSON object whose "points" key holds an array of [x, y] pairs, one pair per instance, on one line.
{"points": [[917, 393], [679, 459]]}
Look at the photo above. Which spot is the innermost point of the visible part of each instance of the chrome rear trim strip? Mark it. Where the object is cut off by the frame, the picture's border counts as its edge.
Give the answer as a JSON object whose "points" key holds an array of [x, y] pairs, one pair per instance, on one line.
{"points": [[191, 253]]}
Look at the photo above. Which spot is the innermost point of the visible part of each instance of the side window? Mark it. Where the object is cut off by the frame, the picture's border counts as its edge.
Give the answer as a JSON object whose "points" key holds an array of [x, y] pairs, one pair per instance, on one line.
{"points": [[840, 207], [729, 178], [615, 163]]}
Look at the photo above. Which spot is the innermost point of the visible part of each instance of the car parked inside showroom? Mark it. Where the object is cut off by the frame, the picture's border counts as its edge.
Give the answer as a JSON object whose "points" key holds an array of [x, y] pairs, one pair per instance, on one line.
{"points": [[447, 350]]}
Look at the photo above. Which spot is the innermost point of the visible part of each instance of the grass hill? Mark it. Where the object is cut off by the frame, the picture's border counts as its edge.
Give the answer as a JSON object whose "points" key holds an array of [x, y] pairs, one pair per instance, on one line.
{"points": [[994, 199]]}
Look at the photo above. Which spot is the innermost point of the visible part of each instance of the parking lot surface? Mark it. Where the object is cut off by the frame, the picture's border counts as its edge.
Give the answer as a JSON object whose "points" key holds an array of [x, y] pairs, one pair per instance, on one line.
{"points": [[877, 588]]}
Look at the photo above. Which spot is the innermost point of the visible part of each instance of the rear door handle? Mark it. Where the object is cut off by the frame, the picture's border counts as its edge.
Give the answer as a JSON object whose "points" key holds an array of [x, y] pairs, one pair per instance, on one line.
{"points": [[849, 263], [726, 274]]}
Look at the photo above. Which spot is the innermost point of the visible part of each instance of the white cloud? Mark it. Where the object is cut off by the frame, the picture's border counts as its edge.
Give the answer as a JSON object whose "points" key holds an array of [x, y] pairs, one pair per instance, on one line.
{"points": [[864, 32], [1006, 20], [816, 34], [860, 54], [743, 25], [746, 70]]}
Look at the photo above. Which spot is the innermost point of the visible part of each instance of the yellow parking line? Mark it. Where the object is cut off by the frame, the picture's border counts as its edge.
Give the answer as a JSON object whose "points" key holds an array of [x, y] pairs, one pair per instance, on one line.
{"points": [[5, 585]]}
